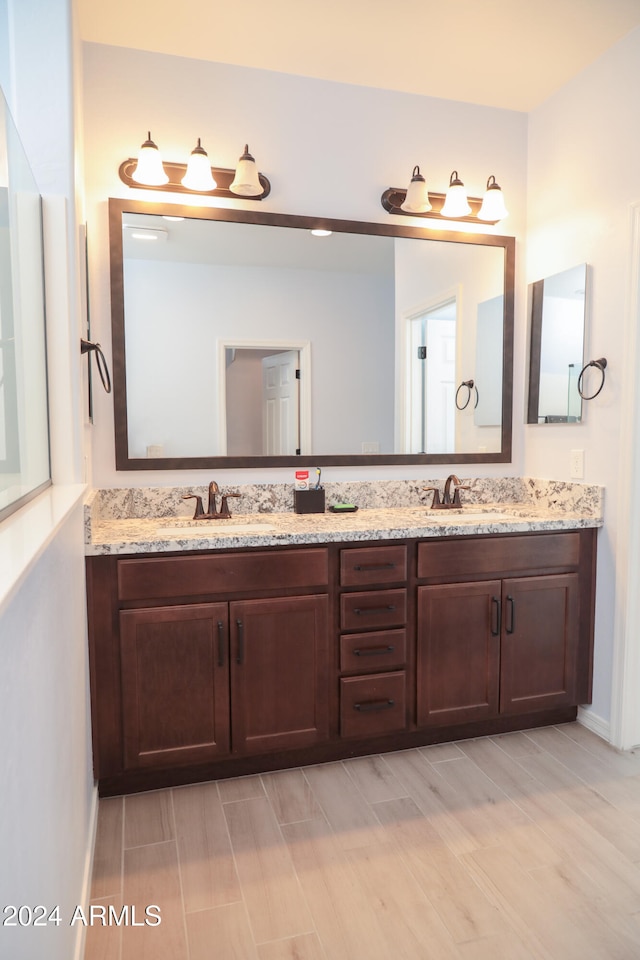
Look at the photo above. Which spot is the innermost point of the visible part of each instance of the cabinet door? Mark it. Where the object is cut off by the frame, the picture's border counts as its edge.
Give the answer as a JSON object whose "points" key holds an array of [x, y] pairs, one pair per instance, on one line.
{"points": [[279, 673], [539, 642], [458, 652], [175, 684]]}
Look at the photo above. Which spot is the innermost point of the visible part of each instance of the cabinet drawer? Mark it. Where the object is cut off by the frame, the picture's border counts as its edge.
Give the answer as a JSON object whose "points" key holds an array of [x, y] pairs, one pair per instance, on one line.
{"points": [[377, 608], [497, 556], [373, 704], [369, 565], [373, 651], [159, 577]]}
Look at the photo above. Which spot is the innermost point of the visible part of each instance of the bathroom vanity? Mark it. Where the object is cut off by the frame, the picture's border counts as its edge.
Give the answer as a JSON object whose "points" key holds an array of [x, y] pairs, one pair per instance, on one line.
{"points": [[215, 653]]}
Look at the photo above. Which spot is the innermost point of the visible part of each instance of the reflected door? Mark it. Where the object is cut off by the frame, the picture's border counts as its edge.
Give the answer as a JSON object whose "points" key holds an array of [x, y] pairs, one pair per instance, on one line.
{"points": [[432, 346], [280, 404]]}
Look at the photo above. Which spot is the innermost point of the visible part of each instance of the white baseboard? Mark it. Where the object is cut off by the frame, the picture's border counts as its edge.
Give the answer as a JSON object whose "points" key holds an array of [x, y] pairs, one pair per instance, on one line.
{"points": [[597, 725], [78, 953]]}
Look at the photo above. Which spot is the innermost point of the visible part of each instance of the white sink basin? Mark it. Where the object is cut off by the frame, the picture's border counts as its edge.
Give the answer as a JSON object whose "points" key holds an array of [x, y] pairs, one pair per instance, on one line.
{"points": [[453, 516], [213, 528]]}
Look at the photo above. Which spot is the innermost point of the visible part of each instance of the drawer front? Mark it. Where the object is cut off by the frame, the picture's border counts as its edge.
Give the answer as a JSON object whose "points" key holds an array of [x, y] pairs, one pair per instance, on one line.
{"points": [[377, 608], [497, 556], [370, 565], [158, 577], [381, 650], [372, 705]]}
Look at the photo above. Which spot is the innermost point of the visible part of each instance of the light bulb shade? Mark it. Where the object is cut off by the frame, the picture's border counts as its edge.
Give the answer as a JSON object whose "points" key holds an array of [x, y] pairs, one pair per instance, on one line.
{"points": [[198, 176], [493, 207], [246, 182], [456, 203], [417, 198], [149, 169]]}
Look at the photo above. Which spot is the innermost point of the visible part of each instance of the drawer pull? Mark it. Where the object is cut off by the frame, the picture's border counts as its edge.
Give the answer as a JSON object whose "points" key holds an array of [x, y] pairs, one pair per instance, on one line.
{"points": [[372, 705], [240, 657], [373, 651], [374, 566], [220, 643], [359, 611]]}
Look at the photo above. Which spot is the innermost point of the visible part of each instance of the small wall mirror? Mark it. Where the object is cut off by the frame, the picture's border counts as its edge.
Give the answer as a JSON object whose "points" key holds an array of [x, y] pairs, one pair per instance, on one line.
{"points": [[557, 307]]}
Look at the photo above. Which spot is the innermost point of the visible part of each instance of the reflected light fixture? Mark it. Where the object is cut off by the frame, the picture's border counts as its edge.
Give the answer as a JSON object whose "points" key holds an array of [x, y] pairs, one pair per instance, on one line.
{"points": [[493, 207], [321, 233], [198, 176], [246, 182], [149, 170], [456, 203], [417, 198]]}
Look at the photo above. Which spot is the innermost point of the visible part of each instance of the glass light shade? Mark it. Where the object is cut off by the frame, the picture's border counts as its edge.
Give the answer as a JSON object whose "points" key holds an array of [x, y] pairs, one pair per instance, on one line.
{"points": [[198, 176], [149, 169], [493, 207], [246, 182], [417, 198], [456, 203]]}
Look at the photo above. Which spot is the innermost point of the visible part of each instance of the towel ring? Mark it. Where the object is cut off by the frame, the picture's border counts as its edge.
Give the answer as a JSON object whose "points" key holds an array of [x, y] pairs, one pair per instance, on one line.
{"points": [[470, 385], [600, 364], [101, 363]]}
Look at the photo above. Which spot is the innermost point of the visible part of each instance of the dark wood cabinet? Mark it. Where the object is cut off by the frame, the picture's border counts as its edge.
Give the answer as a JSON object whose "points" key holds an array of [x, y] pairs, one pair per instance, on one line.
{"points": [[230, 662]]}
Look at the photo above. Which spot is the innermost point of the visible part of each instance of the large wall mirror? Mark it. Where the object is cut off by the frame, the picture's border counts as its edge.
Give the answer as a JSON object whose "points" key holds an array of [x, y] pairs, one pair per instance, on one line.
{"points": [[244, 338], [556, 356]]}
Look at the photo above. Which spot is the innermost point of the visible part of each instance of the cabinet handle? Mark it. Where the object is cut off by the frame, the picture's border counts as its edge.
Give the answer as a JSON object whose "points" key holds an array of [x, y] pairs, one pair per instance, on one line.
{"points": [[372, 705], [496, 617], [240, 657], [373, 651], [511, 622], [220, 643], [374, 566], [364, 610]]}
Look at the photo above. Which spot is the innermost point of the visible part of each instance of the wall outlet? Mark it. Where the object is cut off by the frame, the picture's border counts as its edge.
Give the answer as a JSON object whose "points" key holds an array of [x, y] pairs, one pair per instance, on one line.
{"points": [[372, 447], [577, 464]]}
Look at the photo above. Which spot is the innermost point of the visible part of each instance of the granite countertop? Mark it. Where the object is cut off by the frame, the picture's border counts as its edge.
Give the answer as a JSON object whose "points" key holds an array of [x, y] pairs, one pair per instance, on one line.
{"points": [[158, 534]]}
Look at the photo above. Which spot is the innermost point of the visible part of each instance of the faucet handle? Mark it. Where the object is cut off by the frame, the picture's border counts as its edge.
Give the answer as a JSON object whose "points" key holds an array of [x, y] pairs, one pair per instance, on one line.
{"points": [[435, 503], [225, 513], [199, 508], [456, 493]]}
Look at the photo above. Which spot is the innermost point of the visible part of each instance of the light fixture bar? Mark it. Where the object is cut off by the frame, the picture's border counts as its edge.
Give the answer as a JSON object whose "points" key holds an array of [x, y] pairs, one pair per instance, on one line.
{"points": [[393, 198], [176, 171]]}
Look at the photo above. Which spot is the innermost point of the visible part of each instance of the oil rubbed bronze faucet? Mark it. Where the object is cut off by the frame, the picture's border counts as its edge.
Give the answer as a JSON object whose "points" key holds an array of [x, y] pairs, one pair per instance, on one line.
{"points": [[448, 503], [212, 509]]}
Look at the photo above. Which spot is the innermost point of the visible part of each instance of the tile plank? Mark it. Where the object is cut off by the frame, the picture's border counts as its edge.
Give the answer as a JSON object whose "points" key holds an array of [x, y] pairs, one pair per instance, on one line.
{"points": [[107, 853], [222, 932], [148, 818], [348, 813], [291, 796], [151, 877]]}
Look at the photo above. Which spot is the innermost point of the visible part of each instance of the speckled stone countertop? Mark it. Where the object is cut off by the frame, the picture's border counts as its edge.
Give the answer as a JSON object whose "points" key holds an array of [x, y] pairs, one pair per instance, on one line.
{"points": [[156, 520]]}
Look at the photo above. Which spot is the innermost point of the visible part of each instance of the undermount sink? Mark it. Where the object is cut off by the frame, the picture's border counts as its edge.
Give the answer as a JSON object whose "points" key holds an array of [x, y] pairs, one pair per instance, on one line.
{"points": [[454, 515], [213, 528]]}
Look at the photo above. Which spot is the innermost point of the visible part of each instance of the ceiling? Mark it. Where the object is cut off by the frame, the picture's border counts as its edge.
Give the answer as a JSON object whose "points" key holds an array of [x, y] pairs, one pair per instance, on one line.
{"points": [[502, 53]]}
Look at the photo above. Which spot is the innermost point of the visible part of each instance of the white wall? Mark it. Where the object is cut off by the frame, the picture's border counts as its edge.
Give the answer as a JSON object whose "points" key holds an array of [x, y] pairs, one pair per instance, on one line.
{"points": [[584, 174], [47, 795], [329, 149]]}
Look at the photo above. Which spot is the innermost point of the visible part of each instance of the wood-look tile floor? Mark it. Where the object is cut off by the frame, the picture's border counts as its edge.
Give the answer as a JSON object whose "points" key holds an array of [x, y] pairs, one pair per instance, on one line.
{"points": [[525, 845]]}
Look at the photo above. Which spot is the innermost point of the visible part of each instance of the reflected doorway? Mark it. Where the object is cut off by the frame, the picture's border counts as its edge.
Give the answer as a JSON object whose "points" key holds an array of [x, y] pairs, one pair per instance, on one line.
{"points": [[431, 364], [264, 398]]}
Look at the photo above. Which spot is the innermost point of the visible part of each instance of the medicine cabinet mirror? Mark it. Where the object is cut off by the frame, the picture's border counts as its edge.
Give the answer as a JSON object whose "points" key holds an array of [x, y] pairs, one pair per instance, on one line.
{"points": [[557, 323], [242, 339]]}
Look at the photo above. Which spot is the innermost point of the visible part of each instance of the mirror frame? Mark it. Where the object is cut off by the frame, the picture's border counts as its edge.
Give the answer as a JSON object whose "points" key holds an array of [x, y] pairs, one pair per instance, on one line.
{"points": [[123, 462]]}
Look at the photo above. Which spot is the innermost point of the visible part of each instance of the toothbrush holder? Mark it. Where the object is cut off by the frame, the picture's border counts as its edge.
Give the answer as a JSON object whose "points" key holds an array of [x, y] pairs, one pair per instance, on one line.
{"points": [[309, 501]]}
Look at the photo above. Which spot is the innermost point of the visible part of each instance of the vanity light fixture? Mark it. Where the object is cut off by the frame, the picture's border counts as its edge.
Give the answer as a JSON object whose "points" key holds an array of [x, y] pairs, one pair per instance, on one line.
{"points": [[417, 196], [493, 208], [456, 203], [198, 176], [246, 182], [418, 201], [150, 172]]}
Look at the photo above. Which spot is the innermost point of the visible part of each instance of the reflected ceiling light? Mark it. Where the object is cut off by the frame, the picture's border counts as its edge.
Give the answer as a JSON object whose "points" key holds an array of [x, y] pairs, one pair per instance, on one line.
{"points": [[146, 233], [149, 170], [456, 203], [321, 233], [417, 198], [198, 176], [246, 182], [493, 207]]}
